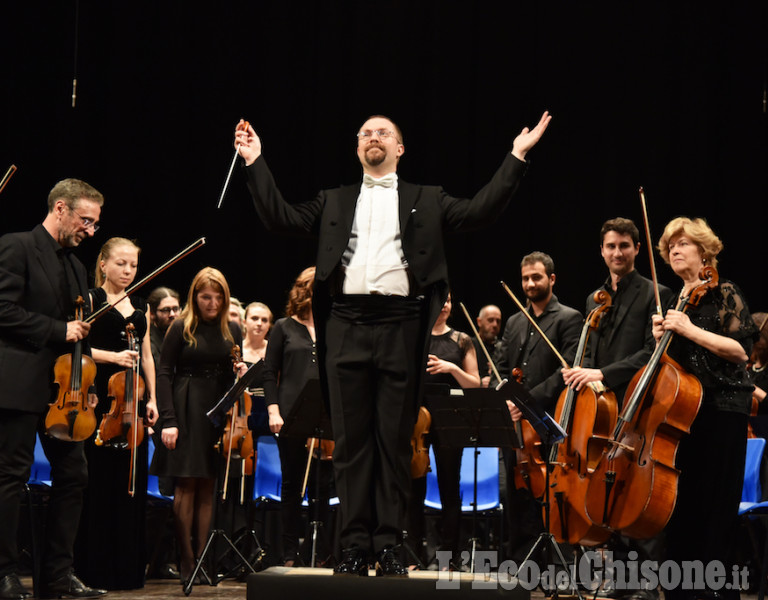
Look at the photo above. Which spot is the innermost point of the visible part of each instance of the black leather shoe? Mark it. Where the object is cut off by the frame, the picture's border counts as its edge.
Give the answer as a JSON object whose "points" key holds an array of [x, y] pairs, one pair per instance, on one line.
{"points": [[11, 588], [353, 562], [69, 586], [388, 564]]}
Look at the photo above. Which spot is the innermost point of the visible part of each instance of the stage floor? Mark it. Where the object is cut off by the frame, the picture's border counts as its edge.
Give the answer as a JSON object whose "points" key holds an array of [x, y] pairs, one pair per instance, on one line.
{"points": [[236, 590]]}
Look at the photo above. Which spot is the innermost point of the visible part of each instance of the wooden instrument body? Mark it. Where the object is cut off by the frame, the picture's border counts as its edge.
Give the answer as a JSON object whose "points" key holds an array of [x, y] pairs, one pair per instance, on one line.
{"points": [[592, 421], [641, 461], [420, 456]]}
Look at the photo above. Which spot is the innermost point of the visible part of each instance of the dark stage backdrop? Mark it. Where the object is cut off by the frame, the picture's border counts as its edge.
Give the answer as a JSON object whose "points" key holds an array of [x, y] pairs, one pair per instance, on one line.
{"points": [[671, 99]]}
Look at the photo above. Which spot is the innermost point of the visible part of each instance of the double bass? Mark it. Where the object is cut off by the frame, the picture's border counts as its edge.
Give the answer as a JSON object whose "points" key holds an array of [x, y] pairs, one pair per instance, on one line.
{"points": [[588, 416], [634, 487], [122, 427], [70, 418]]}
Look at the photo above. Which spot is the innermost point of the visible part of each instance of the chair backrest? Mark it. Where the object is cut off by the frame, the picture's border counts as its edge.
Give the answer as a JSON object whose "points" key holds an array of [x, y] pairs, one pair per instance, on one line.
{"points": [[41, 468], [752, 491], [487, 480], [153, 484], [268, 477]]}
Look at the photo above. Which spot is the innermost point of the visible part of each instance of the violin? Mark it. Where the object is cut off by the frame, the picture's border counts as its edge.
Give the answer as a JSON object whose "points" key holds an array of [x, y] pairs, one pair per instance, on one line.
{"points": [[420, 457], [530, 467], [70, 418], [122, 427], [633, 489], [588, 416], [237, 440]]}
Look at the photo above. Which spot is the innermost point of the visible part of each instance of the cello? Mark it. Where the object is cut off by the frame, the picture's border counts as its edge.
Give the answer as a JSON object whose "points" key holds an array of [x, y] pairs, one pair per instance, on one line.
{"points": [[589, 417], [525, 476], [70, 418], [634, 487]]}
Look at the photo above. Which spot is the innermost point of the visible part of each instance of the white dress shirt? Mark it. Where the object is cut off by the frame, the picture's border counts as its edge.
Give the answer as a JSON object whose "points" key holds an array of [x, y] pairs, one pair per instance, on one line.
{"points": [[373, 262]]}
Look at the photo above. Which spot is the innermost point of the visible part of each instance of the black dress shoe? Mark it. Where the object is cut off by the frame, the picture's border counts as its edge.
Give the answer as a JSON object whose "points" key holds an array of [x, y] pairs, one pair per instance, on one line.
{"points": [[69, 586], [353, 562], [11, 588], [388, 564]]}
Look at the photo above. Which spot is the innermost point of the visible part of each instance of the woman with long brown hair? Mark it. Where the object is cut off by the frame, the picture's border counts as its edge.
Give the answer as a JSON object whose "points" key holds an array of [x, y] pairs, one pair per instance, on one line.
{"points": [[195, 371], [290, 362]]}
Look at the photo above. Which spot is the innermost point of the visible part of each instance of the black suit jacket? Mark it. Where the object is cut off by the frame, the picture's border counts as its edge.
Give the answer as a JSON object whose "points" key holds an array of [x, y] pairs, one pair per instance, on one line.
{"points": [[541, 369], [426, 214], [625, 339], [33, 323]]}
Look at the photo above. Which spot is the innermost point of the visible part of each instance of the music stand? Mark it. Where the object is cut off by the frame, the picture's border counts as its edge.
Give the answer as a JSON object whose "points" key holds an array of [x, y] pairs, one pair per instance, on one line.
{"points": [[472, 417], [309, 419], [550, 433], [216, 416]]}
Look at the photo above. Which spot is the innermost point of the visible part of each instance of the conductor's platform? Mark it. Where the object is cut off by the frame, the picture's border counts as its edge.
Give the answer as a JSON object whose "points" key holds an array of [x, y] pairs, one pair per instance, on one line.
{"points": [[283, 583]]}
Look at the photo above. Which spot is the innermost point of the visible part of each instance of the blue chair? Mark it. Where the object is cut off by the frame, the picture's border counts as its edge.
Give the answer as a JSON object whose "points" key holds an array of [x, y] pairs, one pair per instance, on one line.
{"points": [[488, 502], [40, 473], [487, 481], [268, 477], [37, 489], [752, 507], [153, 486]]}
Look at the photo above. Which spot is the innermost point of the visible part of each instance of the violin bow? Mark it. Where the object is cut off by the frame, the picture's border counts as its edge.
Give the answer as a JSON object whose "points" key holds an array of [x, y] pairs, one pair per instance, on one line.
{"points": [[240, 127], [502, 382], [8, 174], [536, 326], [183, 254], [650, 253]]}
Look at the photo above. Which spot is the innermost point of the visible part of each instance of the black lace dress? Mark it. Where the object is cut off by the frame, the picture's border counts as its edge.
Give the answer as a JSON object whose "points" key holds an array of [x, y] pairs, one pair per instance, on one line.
{"points": [[110, 551], [711, 458]]}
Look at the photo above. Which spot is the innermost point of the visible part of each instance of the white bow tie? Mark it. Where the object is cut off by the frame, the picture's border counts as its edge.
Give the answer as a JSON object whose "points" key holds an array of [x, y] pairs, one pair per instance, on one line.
{"points": [[388, 181]]}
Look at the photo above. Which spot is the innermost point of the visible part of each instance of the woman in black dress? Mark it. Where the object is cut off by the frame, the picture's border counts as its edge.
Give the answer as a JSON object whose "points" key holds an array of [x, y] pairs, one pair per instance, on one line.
{"points": [[712, 341], [452, 361], [195, 371], [113, 556], [291, 361]]}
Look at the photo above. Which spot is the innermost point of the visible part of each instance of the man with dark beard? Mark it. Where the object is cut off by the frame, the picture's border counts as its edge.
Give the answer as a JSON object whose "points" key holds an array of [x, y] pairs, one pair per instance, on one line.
{"points": [[380, 283], [522, 347]]}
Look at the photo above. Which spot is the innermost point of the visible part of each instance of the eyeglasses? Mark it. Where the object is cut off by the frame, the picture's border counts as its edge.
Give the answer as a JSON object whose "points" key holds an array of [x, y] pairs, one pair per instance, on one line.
{"points": [[382, 133], [86, 221], [169, 309]]}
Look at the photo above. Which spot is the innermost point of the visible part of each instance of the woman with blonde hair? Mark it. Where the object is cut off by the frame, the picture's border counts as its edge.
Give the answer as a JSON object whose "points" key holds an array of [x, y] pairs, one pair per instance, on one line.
{"points": [[97, 558], [712, 340], [195, 371]]}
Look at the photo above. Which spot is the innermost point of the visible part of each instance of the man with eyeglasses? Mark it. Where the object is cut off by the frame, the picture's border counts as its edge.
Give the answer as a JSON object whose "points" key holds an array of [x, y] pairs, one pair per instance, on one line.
{"points": [[380, 282], [40, 280]]}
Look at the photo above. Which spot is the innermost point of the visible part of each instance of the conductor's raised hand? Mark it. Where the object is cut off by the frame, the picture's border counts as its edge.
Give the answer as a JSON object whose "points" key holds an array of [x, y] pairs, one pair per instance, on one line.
{"points": [[247, 143], [528, 138]]}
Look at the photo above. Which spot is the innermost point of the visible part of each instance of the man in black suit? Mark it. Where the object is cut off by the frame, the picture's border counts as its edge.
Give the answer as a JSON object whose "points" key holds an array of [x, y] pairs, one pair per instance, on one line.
{"points": [[39, 282], [623, 342], [622, 345], [381, 281], [488, 327], [522, 347]]}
